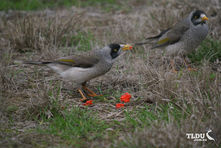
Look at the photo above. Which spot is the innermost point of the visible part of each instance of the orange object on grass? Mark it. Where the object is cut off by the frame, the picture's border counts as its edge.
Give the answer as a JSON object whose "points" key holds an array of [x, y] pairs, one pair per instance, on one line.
{"points": [[89, 102], [125, 98], [119, 105]]}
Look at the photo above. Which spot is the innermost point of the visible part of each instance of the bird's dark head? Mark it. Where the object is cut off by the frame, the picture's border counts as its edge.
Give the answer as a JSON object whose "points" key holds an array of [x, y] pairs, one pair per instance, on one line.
{"points": [[116, 49], [198, 17]]}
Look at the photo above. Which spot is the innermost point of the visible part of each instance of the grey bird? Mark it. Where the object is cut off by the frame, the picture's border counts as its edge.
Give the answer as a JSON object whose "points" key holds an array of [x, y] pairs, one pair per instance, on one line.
{"points": [[183, 37], [81, 68]]}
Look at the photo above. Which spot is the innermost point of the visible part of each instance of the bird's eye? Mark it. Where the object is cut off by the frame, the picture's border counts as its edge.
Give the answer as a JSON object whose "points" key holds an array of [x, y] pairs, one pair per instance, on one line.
{"points": [[196, 17], [115, 50]]}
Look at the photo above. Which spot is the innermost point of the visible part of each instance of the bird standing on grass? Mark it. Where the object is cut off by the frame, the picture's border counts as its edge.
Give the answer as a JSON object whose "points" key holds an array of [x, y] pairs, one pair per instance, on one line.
{"points": [[183, 37], [81, 68]]}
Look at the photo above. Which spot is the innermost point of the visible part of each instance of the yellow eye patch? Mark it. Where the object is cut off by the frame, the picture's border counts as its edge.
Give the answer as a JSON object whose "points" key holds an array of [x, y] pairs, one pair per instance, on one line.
{"points": [[115, 50]]}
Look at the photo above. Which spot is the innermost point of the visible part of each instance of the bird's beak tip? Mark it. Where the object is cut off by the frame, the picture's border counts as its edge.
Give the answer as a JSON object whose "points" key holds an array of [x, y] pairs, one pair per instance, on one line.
{"points": [[205, 18], [127, 47]]}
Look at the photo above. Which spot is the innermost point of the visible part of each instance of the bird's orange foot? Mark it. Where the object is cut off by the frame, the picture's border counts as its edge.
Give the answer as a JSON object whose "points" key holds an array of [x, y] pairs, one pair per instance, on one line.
{"points": [[173, 66], [191, 69], [91, 93], [83, 99], [174, 70], [188, 66]]}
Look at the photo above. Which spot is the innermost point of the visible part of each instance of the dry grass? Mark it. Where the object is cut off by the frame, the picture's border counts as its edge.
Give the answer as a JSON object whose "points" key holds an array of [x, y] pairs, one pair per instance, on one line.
{"points": [[28, 92]]}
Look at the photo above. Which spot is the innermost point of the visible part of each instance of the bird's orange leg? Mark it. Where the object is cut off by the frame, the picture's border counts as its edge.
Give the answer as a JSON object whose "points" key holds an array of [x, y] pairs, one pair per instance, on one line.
{"points": [[92, 94], [188, 66], [173, 66], [82, 94]]}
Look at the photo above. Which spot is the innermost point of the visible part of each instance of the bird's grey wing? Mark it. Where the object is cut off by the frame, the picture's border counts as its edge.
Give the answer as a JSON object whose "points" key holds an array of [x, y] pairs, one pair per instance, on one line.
{"points": [[149, 39], [84, 61], [172, 36], [159, 35]]}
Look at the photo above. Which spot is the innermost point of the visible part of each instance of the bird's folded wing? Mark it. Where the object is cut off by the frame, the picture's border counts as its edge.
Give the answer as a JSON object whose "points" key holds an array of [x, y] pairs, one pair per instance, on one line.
{"points": [[83, 61], [172, 36]]}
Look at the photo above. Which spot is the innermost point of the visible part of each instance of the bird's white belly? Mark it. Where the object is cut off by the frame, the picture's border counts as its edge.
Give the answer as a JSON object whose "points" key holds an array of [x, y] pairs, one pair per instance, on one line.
{"points": [[78, 75]]}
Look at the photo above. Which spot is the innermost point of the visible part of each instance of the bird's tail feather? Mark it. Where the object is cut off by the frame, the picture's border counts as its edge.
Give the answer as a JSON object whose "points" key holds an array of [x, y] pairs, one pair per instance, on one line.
{"points": [[36, 62], [159, 35], [31, 62], [148, 40]]}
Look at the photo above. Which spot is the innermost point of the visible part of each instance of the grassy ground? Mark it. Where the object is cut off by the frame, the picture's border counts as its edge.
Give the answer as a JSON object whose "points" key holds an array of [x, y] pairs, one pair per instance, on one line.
{"points": [[39, 110]]}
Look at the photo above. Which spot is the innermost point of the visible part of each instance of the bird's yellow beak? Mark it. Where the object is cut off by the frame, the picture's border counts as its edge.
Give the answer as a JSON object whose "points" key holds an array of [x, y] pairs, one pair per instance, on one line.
{"points": [[127, 47], [204, 18]]}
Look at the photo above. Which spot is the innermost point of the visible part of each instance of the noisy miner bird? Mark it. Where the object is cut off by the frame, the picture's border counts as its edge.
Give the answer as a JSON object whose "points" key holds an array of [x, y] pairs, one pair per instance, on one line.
{"points": [[183, 37], [81, 68]]}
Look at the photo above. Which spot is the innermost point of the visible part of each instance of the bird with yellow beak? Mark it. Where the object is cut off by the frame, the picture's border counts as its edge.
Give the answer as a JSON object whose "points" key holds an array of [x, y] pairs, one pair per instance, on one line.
{"points": [[79, 69], [184, 37]]}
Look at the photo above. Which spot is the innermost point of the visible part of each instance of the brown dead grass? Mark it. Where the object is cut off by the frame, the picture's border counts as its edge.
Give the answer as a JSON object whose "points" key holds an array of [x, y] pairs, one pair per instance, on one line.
{"points": [[40, 32], [143, 72]]}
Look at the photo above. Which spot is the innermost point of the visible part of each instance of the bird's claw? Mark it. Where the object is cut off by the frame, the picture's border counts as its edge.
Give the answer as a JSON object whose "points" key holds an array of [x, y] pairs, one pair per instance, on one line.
{"points": [[94, 95], [191, 69]]}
